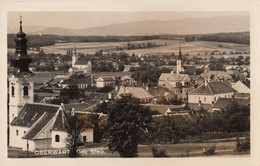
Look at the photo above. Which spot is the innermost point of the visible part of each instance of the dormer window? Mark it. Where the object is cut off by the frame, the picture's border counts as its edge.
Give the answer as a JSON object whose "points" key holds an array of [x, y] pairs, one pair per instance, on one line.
{"points": [[34, 116], [23, 115], [25, 91]]}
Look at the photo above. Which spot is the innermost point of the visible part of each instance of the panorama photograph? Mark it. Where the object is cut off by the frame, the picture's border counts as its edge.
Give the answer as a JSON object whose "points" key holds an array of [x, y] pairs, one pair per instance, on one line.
{"points": [[128, 84]]}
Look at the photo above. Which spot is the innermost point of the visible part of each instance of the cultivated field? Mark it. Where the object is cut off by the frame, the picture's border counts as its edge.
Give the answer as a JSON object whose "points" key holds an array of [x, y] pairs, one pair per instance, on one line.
{"points": [[165, 46]]}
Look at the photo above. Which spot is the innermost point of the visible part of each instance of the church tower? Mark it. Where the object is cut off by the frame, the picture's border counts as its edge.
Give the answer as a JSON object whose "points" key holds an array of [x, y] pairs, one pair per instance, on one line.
{"points": [[21, 87], [179, 68], [74, 56]]}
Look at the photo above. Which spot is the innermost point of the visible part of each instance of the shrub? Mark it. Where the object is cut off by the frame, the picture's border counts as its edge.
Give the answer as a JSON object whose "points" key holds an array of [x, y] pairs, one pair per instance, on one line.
{"points": [[242, 145], [159, 152], [210, 151]]}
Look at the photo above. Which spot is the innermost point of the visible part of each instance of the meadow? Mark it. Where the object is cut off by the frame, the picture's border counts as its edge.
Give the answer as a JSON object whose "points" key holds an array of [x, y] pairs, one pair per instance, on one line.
{"points": [[164, 47]]}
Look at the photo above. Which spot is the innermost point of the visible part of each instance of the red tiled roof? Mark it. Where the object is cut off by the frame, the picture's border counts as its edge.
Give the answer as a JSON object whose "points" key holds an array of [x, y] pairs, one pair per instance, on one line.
{"points": [[224, 102], [212, 88], [76, 106], [86, 80], [174, 77], [137, 92], [106, 78], [60, 122], [39, 125]]}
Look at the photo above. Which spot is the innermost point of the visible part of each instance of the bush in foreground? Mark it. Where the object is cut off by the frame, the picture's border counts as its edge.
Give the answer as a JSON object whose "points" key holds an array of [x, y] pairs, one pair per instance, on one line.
{"points": [[242, 145], [159, 152]]}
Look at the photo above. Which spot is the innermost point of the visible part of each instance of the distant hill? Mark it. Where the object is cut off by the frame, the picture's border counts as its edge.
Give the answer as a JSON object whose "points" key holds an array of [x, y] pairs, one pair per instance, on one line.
{"points": [[153, 27]]}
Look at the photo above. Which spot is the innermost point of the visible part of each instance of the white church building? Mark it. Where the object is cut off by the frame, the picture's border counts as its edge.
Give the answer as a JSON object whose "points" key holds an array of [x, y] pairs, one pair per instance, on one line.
{"points": [[33, 125], [79, 66]]}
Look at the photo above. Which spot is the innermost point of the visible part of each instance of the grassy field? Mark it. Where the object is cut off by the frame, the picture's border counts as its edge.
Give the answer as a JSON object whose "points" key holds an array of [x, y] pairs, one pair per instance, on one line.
{"points": [[172, 46]]}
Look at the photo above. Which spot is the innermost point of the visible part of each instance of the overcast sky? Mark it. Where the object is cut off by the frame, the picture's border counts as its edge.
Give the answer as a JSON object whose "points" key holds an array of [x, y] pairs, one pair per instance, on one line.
{"points": [[80, 20]]}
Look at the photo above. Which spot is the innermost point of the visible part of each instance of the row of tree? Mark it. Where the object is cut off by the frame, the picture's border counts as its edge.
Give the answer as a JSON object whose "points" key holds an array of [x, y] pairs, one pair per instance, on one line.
{"points": [[236, 37]]}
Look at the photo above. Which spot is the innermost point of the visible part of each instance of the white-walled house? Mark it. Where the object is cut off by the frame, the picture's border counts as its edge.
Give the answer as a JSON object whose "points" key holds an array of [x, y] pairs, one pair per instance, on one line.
{"points": [[210, 92], [105, 81], [42, 126], [142, 95]]}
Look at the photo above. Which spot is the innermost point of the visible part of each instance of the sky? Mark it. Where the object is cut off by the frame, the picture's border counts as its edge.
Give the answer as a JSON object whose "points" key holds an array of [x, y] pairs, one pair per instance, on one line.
{"points": [[80, 20]]}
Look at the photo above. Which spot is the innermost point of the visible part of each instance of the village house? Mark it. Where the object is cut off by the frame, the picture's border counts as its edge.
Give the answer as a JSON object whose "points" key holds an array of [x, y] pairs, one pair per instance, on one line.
{"points": [[105, 81], [223, 103], [142, 95], [127, 81], [179, 84], [242, 86], [209, 92], [82, 83], [216, 75]]}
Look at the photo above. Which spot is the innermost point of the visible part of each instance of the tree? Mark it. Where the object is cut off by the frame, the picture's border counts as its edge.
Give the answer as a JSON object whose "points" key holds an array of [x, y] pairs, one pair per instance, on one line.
{"points": [[74, 128], [169, 129], [127, 120], [72, 91]]}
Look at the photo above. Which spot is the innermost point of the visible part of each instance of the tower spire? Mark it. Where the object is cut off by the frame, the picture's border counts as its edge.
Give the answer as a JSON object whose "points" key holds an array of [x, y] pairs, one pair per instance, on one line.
{"points": [[21, 26], [180, 56], [21, 60]]}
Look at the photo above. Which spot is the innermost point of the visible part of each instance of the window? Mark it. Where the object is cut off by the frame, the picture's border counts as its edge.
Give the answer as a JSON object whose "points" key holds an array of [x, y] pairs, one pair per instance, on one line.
{"points": [[12, 90], [215, 98], [17, 132], [57, 138], [25, 90], [84, 138], [24, 132], [204, 99]]}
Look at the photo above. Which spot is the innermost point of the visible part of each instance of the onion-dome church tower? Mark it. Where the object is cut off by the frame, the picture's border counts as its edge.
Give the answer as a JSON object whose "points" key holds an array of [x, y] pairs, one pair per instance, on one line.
{"points": [[21, 87]]}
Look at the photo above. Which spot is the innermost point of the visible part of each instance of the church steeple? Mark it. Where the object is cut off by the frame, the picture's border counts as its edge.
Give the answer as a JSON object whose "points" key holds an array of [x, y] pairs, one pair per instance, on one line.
{"points": [[180, 56], [21, 60], [179, 68], [21, 87]]}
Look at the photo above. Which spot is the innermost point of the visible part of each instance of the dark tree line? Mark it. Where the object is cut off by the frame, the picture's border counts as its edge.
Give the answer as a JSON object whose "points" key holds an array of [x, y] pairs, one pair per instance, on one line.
{"points": [[45, 40], [35, 41], [236, 37]]}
